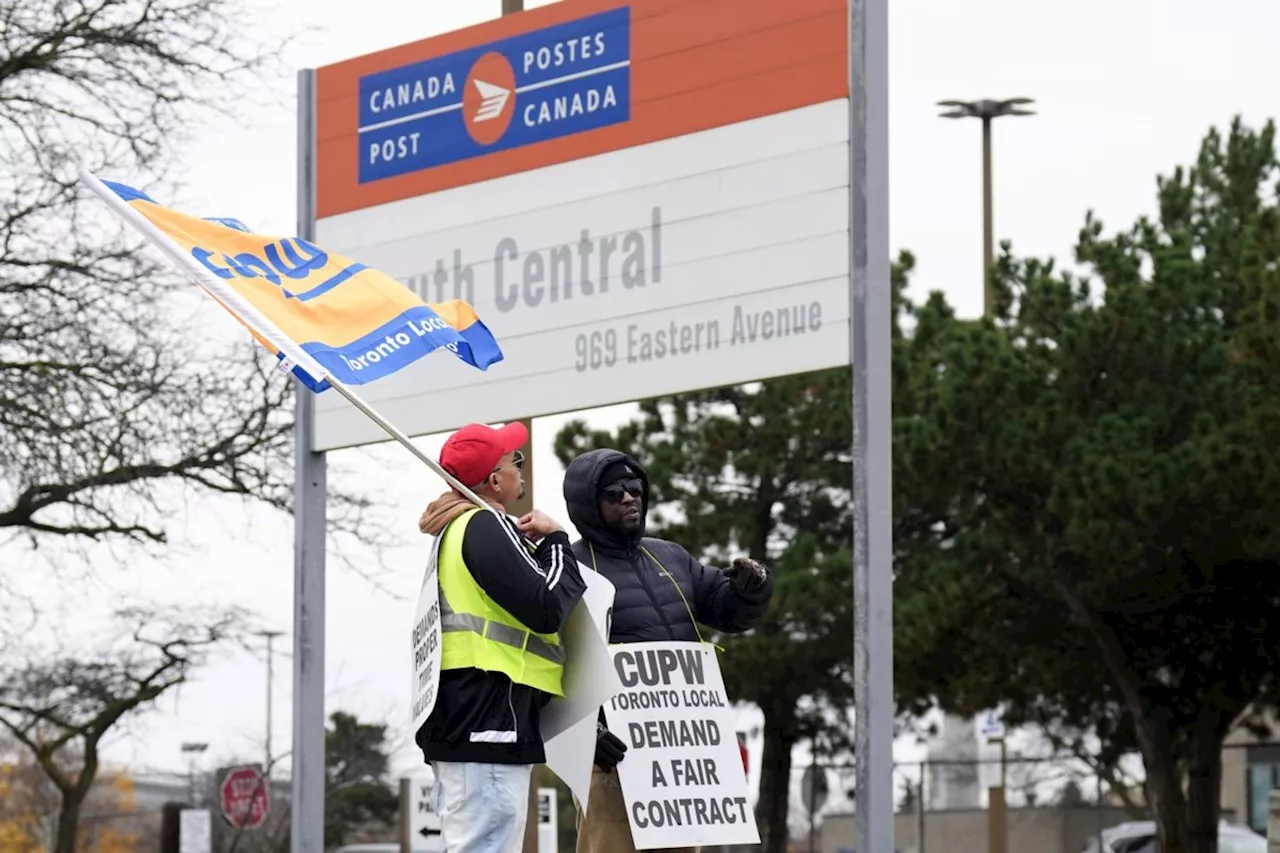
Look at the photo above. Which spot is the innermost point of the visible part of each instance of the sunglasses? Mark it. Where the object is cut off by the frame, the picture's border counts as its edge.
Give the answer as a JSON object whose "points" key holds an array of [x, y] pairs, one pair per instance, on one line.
{"points": [[613, 494], [517, 461]]}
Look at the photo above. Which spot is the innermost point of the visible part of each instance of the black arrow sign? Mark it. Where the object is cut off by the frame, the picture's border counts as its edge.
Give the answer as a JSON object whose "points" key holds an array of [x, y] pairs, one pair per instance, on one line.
{"points": [[427, 832]]}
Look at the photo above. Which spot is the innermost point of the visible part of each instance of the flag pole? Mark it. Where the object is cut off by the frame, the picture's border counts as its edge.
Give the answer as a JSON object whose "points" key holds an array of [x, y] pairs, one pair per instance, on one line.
{"points": [[395, 433], [250, 316]]}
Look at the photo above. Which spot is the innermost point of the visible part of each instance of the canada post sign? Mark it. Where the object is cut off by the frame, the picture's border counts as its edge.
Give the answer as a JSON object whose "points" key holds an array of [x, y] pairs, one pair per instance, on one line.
{"points": [[554, 82]]}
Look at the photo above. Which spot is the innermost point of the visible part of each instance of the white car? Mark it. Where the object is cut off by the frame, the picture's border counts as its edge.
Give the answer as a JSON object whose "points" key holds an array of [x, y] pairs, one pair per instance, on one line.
{"points": [[1139, 836]]}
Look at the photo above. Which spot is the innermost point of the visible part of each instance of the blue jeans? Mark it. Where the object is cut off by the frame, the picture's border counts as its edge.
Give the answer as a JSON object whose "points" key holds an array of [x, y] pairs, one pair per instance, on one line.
{"points": [[483, 807]]}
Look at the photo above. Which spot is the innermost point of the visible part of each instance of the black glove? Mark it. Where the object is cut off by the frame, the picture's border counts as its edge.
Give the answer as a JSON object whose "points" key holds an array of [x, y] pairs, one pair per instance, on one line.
{"points": [[748, 575], [609, 749]]}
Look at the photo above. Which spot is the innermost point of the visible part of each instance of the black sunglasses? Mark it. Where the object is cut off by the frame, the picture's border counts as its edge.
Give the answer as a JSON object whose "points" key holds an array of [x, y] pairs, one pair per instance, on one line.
{"points": [[613, 494]]}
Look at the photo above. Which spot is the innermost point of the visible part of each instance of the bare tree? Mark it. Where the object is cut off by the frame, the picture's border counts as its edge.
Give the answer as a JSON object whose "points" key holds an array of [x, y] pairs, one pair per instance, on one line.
{"points": [[59, 707], [107, 395]]}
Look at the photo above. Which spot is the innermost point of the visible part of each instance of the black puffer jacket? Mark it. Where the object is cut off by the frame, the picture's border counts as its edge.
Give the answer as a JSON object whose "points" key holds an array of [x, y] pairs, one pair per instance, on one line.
{"points": [[648, 607]]}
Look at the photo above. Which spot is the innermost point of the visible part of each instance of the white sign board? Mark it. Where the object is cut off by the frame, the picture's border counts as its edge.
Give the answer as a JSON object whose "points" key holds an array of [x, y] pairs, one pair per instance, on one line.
{"points": [[195, 831], [990, 726], [424, 822], [682, 776], [548, 822], [691, 262], [569, 724], [426, 642]]}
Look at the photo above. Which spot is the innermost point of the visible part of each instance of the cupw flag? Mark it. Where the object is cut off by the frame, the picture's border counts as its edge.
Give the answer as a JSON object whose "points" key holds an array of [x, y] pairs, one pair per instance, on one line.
{"points": [[324, 316]]}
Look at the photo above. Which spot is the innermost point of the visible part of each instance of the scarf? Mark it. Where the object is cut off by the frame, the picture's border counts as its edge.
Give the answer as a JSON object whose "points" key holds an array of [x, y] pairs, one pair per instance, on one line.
{"points": [[446, 508]]}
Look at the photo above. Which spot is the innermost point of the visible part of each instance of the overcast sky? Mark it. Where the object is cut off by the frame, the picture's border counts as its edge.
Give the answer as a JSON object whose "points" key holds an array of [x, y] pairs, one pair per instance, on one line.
{"points": [[1123, 91]]}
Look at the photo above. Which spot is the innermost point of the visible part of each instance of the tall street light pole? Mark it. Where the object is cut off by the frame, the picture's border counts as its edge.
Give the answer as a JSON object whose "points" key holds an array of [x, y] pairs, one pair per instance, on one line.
{"points": [[270, 635], [192, 749], [987, 110]]}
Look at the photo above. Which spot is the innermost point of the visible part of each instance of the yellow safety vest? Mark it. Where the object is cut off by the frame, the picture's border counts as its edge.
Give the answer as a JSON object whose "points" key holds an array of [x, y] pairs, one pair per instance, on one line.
{"points": [[478, 634]]}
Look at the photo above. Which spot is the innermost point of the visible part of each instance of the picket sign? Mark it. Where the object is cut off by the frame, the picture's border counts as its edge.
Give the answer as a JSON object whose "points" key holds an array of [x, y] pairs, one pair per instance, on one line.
{"points": [[682, 776], [426, 641]]}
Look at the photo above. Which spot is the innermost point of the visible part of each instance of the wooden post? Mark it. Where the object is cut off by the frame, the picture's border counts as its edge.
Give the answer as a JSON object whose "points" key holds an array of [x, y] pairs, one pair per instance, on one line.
{"points": [[920, 812], [996, 815], [997, 811]]}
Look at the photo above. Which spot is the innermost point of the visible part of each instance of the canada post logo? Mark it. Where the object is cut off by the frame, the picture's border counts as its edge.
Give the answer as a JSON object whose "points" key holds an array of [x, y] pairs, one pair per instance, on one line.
{"points": [[554, 82]]}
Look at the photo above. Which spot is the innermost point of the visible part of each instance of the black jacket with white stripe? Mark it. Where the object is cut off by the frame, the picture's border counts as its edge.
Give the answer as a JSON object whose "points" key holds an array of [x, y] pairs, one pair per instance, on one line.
{"points": [[483, 716]]}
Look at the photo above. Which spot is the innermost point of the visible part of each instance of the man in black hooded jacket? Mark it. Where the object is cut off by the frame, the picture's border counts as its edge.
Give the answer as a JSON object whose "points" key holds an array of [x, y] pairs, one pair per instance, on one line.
{"points": [[607, 495]]}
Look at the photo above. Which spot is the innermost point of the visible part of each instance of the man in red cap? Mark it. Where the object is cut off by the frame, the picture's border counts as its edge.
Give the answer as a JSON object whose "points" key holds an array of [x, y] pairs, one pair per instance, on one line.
{"points": [[506, 587]]}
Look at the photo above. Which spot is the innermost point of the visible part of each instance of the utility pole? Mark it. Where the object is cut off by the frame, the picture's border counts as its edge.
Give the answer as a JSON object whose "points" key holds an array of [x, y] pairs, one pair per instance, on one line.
{"points": [[987, 110], [270, 635], [191, 750]]}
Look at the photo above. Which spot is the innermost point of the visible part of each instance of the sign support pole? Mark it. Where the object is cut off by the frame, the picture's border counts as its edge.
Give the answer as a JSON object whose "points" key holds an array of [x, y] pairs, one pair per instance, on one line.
{"points": [[530, 842], [406, 803], [870, 352], [307, 817]]}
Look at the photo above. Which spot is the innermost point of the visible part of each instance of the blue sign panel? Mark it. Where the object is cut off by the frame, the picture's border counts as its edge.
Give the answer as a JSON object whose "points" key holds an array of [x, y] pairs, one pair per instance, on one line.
{"points": [[540, 85]]}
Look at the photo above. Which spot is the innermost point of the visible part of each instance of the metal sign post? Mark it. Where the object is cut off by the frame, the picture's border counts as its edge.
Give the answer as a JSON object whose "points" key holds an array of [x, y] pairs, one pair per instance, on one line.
{"points": [[307, 816], [870, 352]]}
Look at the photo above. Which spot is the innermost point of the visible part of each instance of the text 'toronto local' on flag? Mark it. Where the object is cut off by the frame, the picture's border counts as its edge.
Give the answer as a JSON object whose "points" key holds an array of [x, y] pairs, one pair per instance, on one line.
{"points": [[324, 316]]}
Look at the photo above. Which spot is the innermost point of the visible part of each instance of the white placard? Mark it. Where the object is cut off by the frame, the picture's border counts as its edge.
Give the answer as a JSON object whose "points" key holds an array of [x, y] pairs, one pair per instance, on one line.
{"points": [[569, 724], [989, 730], [195, 831], [424, 823], [425, 646], [682, 776], [991, 726]]}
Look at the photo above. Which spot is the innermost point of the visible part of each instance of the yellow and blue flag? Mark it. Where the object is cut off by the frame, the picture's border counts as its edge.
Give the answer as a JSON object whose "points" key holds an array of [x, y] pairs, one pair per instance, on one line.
{"points": [[358, 324]]}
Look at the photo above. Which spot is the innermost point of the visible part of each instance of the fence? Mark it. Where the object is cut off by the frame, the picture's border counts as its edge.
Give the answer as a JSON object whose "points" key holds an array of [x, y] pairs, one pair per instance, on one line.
{"points": [[119, 832], [1055, 805]]}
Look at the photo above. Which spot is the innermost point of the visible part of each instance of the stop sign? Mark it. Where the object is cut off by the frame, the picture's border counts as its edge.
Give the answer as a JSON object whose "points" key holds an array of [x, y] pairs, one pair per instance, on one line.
{"points": [[244, 797]]}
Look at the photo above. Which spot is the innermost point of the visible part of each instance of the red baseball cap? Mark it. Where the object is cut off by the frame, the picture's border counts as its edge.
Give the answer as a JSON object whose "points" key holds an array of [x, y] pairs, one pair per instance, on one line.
{"points": [[471, 453]]}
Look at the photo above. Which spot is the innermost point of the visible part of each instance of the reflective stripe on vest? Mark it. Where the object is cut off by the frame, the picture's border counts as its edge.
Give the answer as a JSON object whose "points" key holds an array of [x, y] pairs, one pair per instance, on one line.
{"points": [[499, 633], [477, 633]]}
